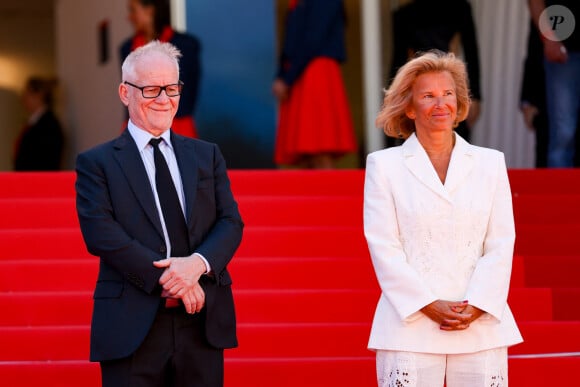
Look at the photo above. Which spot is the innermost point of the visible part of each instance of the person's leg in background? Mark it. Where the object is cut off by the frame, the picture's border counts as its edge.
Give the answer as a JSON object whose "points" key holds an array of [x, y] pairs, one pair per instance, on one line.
{"points": [[563, 104]]}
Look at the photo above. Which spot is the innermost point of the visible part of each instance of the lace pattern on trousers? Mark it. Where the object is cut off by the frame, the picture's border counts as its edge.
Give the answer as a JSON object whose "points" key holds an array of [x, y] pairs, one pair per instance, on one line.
{"points": [[409, 369], [401, 373]]}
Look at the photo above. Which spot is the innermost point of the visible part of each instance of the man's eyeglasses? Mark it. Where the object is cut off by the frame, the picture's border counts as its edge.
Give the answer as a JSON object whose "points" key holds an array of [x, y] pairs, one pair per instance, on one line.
{"points": [[172, 90]]}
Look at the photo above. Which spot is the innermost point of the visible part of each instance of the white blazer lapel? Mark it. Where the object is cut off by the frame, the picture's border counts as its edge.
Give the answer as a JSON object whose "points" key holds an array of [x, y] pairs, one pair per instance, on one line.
{"points": [[461, 164], [417, 161]]}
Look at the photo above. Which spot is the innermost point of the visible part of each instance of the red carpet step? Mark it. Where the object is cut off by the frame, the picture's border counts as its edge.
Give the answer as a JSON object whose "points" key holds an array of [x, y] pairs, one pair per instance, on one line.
{"points": [[289, 241], [304, 287], [535, 372], [273, 340], [552, 270], [274, 305]]}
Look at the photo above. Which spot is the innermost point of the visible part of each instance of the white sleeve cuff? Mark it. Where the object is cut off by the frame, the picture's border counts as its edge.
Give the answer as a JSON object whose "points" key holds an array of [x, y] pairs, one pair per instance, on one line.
{"points": [[207, 266]]}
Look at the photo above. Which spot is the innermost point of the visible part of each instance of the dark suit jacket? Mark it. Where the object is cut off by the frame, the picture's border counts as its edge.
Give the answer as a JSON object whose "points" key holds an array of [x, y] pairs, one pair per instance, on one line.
{"points": [[40, 145], [533, 91], [120, 224]]}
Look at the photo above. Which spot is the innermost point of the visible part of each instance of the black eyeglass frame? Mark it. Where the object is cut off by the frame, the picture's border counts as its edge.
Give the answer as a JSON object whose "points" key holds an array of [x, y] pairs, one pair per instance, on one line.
{"points": [[160, 88]]}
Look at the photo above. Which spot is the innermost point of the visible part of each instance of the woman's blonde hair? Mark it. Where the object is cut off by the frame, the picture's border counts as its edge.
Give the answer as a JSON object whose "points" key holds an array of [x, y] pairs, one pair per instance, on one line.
{"points": [[393, 118]]}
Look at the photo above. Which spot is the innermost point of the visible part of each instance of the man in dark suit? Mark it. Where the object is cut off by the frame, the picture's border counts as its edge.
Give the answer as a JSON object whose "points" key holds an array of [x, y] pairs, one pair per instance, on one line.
{"points": [[163, 307]]}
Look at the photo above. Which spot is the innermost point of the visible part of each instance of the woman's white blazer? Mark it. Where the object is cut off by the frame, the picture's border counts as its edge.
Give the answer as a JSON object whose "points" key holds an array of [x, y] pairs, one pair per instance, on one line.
{"points": [[430, 241]]}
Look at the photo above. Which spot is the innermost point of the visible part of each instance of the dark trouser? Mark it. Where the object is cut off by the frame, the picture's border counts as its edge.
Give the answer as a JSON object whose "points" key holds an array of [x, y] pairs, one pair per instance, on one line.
{"points": [[175, 353]]}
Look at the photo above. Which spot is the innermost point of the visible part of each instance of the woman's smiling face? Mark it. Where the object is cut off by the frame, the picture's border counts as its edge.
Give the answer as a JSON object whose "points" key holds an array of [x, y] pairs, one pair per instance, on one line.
{"points": [[433, 105]]}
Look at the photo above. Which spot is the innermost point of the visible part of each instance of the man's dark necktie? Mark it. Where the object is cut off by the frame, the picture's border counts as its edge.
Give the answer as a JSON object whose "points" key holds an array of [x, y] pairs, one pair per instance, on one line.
{"points": [[174, 220]]}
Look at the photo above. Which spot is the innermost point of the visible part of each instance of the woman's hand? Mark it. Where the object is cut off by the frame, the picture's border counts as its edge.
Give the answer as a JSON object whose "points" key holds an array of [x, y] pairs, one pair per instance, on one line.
{"points": [[473, 311], [555, 51], [529, 112], [452, 315], [280, 90]]}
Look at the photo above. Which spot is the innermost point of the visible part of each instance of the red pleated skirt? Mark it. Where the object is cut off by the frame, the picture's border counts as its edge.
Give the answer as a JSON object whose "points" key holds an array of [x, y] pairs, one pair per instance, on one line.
{"points": [[316, 117]]}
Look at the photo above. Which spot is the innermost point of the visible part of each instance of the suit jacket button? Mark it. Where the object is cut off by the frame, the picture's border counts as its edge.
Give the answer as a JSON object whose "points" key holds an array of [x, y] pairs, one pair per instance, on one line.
{"points": [[163, 250]]}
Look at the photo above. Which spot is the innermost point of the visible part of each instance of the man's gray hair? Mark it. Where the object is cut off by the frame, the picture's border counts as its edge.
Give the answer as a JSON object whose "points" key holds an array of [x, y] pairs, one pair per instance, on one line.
{"points": [[155, 46]]}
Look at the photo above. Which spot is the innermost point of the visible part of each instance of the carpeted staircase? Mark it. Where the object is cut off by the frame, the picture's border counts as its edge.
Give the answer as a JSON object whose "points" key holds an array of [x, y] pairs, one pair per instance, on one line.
{"points": [[303, 283]]}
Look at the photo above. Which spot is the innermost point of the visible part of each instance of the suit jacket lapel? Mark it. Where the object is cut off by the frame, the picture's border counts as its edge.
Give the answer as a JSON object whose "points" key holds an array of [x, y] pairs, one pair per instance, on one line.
{"points": [[187, 162], [417, 161], [130, 161], [461, 164]]}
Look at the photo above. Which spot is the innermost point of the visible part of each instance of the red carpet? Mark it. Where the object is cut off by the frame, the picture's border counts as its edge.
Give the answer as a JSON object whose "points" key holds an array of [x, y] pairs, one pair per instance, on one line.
{"points": [[304, 287]]}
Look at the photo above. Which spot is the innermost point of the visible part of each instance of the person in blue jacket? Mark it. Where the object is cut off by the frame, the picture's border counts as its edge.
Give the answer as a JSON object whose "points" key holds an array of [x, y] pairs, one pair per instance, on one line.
{"points": [[151, 21]]}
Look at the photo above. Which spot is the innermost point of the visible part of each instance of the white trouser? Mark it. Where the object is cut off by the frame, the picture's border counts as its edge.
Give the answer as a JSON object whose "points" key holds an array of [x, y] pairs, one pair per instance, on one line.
{"points": [[411, 369]]}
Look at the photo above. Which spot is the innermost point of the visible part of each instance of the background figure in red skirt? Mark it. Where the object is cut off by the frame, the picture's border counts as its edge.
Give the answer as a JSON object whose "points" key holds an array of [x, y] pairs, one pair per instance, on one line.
{"points": [[315, 125], [151, 21]]}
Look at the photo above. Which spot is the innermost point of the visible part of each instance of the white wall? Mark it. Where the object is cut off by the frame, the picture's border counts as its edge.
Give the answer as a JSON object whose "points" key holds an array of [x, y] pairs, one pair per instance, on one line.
{"points": [[93, 112]]}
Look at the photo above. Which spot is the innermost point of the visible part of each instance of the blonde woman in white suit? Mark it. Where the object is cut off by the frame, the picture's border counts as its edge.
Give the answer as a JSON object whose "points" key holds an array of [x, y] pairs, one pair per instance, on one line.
{"points": [[439, 225]]}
